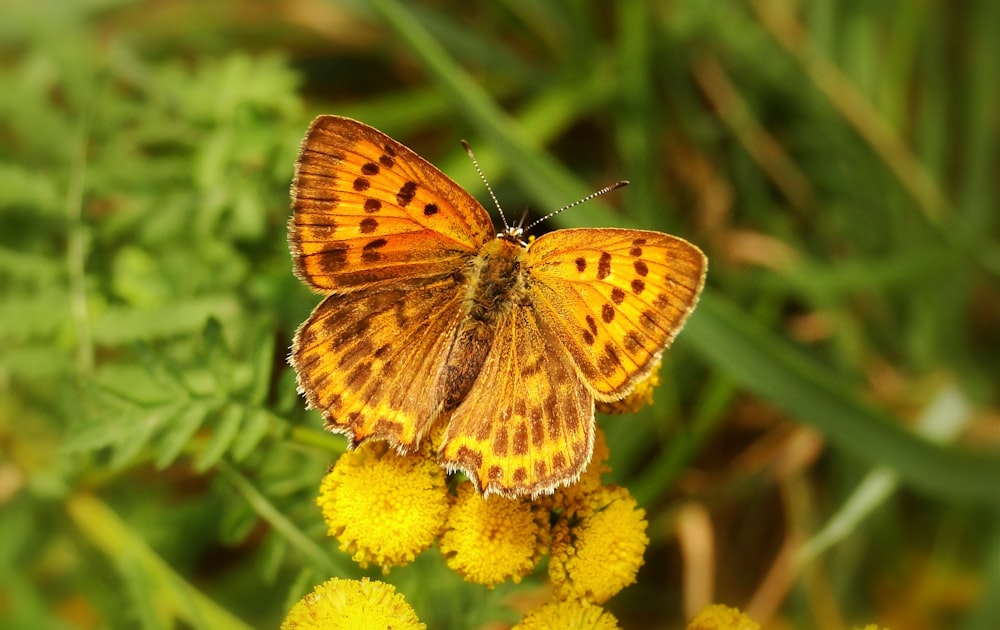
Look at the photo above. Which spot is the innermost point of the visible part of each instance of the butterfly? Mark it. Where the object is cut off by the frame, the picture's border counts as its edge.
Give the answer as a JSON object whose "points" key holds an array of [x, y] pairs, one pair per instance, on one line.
{"points": [[429, 315]]}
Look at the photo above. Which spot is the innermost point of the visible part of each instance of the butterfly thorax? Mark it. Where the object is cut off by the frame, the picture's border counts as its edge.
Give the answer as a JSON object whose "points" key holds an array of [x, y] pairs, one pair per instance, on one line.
{"points": [[496, 282]]}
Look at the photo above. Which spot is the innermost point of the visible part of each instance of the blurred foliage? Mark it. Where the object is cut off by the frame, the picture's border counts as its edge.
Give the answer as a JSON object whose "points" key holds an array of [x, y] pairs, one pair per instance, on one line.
{"points": [[825, 448]]}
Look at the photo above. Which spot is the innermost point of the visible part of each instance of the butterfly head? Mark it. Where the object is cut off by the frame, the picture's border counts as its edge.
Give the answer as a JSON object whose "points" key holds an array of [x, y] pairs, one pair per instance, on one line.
{"points": [[514, 234]]}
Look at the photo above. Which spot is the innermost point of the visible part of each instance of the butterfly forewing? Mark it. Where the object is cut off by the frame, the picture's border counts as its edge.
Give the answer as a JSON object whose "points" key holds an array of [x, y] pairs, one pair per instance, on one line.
{"points": [[616, 298], [367, 209]]}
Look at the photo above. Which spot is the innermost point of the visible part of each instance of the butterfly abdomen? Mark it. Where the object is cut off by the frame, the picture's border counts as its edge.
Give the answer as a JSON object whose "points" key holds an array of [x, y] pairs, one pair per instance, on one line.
{"points": [[495, 284]]}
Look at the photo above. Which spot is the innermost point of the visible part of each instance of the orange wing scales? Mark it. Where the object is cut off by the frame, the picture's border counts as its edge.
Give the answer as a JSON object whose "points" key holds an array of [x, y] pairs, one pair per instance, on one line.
{"points": [[368, 359]]}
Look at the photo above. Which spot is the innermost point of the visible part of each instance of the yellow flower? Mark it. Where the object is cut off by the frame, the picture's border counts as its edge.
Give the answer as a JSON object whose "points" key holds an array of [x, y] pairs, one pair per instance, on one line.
{"points": [[574, 614], [352, 605], [641, 396], [719, 617], [597, 551], [384, 507], [488, 541], [591, 477], [573, 498]]}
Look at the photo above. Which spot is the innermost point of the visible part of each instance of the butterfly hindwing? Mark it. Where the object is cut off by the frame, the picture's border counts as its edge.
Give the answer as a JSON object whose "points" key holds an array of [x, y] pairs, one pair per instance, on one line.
{"points": [[527, 424], [370, 360]]}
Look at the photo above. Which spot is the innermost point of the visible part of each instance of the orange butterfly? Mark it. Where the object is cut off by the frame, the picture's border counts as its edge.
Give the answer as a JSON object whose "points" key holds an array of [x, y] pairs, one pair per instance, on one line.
{"points": [[429, 315]]}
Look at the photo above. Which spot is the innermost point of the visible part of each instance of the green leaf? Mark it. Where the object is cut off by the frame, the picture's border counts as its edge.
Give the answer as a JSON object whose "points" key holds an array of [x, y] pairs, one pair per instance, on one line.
{"points": [[136, 431], [224, 432], [33, 316], [253, 431], [121, 325], [127, 428], [177, 433]]}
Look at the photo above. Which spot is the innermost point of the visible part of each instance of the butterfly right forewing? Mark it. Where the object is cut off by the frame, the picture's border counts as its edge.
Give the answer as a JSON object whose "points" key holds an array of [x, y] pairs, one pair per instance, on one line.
{"points": [[616, 298]]}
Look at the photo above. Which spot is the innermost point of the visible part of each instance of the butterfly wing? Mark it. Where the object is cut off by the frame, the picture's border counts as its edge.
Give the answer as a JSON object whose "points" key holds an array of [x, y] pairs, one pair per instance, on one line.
{"points": [[367, 210], [385, 234], [370, 360], [615, 298], [527, 424]]}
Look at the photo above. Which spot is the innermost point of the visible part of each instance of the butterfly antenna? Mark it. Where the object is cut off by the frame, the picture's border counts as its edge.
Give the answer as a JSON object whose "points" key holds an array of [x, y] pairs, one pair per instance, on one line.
{"points": [[606, 189], [489, 189]]}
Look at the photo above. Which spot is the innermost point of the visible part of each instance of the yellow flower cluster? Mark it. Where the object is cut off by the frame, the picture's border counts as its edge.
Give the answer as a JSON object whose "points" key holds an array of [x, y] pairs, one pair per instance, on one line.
{"points": [[597, 548], [365, 605], [568, 614], [385, 508], [719, 617]]}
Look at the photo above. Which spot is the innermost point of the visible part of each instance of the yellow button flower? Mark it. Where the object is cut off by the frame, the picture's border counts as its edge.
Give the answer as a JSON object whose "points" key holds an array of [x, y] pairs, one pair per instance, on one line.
{"points": [[492, 540], [719, 617], [640, 397], [573, 498], [352, 605], [568, 615], [598, 551], [384, 508]]}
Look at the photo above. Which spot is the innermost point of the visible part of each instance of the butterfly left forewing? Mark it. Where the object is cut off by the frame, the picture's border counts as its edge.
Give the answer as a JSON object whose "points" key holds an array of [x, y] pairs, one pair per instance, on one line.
{"points": [[367, 209], [616, 298], [527, 425]]}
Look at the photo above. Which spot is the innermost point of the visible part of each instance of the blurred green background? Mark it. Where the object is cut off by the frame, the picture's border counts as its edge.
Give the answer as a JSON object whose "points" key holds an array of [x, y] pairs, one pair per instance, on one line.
{"points": [[824, 450]]}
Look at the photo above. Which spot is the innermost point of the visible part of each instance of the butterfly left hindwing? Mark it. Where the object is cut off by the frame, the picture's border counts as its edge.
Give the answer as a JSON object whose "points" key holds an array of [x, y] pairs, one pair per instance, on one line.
{"points": [[371, 360]]}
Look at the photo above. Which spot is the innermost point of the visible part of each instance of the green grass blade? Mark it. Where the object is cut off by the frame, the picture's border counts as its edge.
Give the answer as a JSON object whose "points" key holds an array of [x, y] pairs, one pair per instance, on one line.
{"points": [[106, 531], [770, 367], [544, 177], [316, 555]]}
